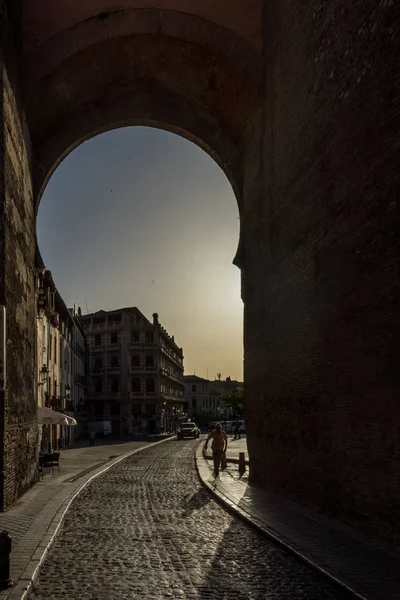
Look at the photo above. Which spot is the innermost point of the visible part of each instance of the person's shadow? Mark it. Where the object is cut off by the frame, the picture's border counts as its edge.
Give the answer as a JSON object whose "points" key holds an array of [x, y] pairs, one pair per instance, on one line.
{"points": [[195, 501]]}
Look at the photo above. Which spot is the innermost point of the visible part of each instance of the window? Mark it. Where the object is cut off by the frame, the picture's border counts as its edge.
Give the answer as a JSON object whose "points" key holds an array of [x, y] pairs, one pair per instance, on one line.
{"points": [[136, 384], [150, 410], [193, 388], [99, 322], [55, 350], [115, 409], [114, 361], [135, 337], [149, 337], [115, 385], [98, 409], [114, 337], [97, 339], [114, 319], [149, 361], [98, 386], [136, 409], [97, 364], [150, 385], [194, 402], [135, 361]]}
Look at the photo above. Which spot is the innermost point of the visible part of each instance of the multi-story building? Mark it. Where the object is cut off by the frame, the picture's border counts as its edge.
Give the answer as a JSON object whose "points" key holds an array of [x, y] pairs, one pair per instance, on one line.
{"points": [[205, 398], [197, 396], [61, 364], [136, 372], [79, 360]]}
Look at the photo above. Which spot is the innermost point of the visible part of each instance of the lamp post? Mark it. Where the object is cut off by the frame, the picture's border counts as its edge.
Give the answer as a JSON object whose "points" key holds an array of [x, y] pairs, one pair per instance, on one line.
{"points": [[164, 418], [67, 393], [43, 375], [67, 402]]}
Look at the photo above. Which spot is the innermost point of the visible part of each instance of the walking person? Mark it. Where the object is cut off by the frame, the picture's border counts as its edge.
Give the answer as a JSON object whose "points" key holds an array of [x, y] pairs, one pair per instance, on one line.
{"points": [[92, 436], [219, 445], [237, 431]]}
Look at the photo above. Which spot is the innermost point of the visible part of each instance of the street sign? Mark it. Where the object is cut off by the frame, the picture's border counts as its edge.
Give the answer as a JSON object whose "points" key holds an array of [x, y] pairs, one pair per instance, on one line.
{"points": [[2, 347]]}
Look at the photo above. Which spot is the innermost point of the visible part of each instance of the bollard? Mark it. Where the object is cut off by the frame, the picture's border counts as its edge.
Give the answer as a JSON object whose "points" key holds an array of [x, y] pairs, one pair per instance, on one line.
{"points": [[242, 463], [5, 552]]}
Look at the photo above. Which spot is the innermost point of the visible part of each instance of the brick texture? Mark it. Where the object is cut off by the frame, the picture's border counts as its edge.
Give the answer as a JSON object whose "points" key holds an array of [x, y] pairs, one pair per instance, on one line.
{"points": [[17, 291], [321, 314]]}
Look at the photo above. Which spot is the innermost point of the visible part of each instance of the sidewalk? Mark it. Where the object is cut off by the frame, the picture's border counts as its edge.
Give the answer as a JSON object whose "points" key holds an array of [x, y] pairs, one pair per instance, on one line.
{"points": [[366, 567], [234, 447], [36, 517]]}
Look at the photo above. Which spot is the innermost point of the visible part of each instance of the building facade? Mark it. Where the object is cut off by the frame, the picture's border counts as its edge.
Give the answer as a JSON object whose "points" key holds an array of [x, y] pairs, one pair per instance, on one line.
{"points": [[205, 398], [136, 372], [61, 363]]}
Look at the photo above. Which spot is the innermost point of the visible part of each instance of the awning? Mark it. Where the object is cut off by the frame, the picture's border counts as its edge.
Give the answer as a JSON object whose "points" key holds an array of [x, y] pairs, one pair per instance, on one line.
{"points": [[47, 416]]}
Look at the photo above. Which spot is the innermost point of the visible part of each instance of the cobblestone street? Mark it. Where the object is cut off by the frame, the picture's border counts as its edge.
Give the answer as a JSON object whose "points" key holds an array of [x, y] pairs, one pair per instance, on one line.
{"points": [[147, 529]]}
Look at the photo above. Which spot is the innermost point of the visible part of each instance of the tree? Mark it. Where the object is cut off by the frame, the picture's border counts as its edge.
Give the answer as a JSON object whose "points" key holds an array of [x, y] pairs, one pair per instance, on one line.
{"points": [[235, 401]]}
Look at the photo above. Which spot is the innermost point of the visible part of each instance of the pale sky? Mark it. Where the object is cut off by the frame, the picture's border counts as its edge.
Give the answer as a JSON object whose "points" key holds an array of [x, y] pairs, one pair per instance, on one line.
{"points": [[141, 217]]}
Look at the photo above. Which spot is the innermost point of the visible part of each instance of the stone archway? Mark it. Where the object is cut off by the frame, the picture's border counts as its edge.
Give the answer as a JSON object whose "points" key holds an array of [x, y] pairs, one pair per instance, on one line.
{"points": [[297, 102], [147, 66], [162, 68]]}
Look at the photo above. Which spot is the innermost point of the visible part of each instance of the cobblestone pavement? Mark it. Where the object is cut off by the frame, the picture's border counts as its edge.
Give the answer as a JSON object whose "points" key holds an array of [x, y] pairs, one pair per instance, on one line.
{"points": [[148, 530]]}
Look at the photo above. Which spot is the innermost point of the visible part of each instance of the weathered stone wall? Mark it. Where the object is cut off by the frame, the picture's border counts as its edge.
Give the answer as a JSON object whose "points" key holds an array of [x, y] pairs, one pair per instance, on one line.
{"points": [[17, 289], [322, 287]]}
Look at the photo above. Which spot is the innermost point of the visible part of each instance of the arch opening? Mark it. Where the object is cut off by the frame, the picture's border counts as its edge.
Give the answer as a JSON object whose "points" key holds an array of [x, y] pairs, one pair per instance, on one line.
{"points": [[196, 212]]}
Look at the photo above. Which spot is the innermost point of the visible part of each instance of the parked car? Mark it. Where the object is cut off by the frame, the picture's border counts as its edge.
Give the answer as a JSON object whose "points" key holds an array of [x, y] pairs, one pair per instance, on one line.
{"points": [[227, 426], [187, 430]]}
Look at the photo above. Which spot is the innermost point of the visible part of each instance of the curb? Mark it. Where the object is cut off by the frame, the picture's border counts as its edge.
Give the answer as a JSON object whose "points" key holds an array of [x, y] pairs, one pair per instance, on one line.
{"points": [[262, 528], [52, 531], [234, 461]]}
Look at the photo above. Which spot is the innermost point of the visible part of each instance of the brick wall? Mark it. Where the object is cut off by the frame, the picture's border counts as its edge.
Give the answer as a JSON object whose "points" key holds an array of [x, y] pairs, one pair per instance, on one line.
{"points": [[17, 284], [321, 326]]}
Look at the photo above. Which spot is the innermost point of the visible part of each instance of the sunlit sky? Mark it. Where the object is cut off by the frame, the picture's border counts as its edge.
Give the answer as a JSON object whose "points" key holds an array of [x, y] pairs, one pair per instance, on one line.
{"points": [[141, 217]]}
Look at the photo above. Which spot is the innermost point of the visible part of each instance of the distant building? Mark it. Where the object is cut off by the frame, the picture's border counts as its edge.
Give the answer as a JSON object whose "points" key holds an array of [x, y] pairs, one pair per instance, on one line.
{"points": [[61, 363], [136, 372], [204, 398]]}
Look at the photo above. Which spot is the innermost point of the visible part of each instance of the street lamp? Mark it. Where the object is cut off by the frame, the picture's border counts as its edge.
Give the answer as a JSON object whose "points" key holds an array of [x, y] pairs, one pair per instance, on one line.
{"points": [[165, 417], [43, 375]]}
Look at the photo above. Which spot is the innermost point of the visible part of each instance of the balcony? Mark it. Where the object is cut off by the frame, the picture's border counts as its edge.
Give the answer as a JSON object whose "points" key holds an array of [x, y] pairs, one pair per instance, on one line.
{"points": [[112, 346], [114, 370], [98, 348], [136, 395], [143, 369], [172, 398]]}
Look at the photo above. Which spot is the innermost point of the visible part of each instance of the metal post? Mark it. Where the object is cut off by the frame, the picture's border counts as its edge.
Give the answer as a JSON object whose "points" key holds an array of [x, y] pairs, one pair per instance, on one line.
{"points": [[242, 463]]}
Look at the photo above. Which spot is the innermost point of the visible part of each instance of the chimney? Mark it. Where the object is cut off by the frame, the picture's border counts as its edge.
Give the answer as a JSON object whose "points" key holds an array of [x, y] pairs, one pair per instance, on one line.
{"points": [[155, 318]]}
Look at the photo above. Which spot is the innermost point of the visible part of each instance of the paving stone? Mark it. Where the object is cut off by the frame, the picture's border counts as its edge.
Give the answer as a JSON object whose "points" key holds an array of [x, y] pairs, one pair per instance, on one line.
{"points": [[148, 530]]}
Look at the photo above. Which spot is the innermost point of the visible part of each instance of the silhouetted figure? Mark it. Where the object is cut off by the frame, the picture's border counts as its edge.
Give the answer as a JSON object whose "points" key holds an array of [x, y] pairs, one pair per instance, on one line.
{"points": [[219, 445]]}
